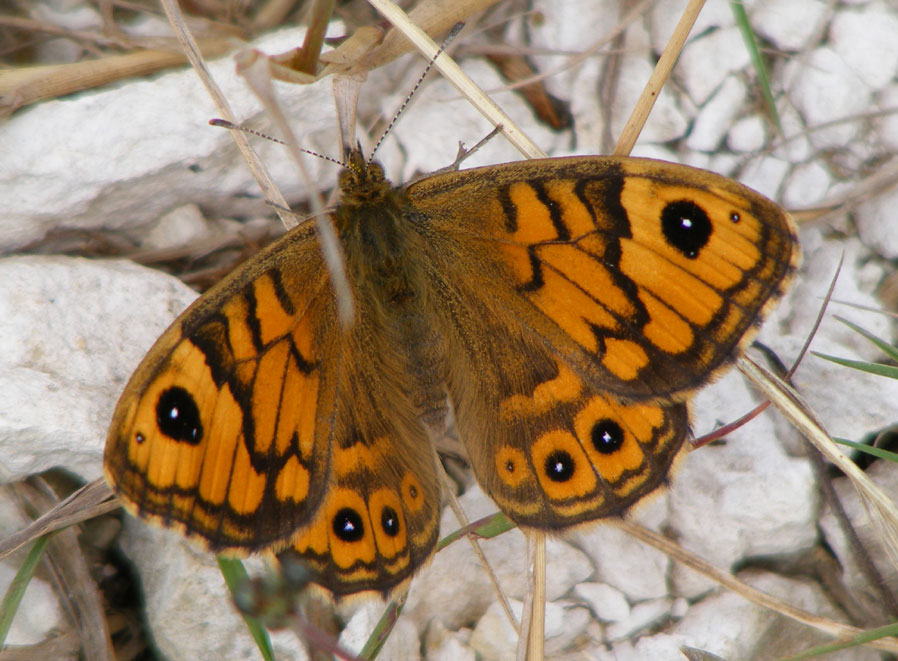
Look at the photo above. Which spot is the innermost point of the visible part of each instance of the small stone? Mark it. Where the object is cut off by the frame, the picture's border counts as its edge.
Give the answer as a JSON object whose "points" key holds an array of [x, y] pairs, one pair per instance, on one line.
{"points": [[788, 24], [642, 615], [748, 134], [865, 40], [707, 61], [608, 603], [716, 116]]}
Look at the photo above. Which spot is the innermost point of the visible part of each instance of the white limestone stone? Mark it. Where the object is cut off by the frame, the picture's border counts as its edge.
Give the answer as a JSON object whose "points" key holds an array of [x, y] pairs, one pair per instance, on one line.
{"points": [[142, 148], [744, 497], [806, 186], [825, 89], [403, 643], [607, 603], [716, 116], [747, 134], [865, 39], [789, 24], [642, 616], [445, 645], [876, 224], [189, 609], [70, 336], [707, 61], [456, 590]]}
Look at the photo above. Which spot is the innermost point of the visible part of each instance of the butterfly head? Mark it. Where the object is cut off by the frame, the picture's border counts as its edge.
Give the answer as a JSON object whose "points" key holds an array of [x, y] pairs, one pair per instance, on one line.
{"points": [[362, 182]]}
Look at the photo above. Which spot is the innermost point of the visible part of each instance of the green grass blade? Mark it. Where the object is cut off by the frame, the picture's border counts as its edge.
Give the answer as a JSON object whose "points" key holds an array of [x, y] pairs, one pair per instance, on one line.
{"points": [[382, 630], [754, 51], [869, 449], [16, 590], [871, 368], [857, 641], [883, 346], [234, 574]]}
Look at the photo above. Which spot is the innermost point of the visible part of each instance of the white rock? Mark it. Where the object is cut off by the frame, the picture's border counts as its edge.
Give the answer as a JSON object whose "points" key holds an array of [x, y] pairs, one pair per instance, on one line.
{"points": [[707, 60], [727, 625], [765, 174], [885, 476], [806, 186], [865, 40], [876, 224], [642, 615], [456, 589], [666, 15], [666, 122], [145, 147], [854, 290], [638, 571], [796, 145], [607, 603], [428, 142], [789, 24], [660, 647], [402, 645], [743, 497], [178, 228], [494, 638], [189, 608], [717, 115], [887, 126], [747, 134], [38, 614], [69, 338], [825, 89], [444, 645]]}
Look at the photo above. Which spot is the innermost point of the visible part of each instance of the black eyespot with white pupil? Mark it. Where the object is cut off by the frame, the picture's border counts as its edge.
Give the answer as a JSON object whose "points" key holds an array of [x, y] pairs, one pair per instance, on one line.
{"points": [[348, 525], [389, 521], [178, 417], [686, 227], [559, 466], [607, 436]]}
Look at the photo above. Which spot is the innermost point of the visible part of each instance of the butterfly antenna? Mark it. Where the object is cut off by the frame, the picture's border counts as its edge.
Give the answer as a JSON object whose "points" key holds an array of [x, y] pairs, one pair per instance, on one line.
{"points": [[225, 124], [449, 37]]}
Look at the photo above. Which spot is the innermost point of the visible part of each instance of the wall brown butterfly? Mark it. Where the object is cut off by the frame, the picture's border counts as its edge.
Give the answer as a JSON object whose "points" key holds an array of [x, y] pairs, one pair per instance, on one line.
{"points": [[565, 309]]}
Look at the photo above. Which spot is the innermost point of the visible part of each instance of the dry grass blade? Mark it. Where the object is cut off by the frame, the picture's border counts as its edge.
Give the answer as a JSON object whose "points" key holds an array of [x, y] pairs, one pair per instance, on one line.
{"points": [[462, 82], [531, 642], [91, 500], [431, 16], [754, 595], [26, 85], [256, 73], [660, 75], [880, 507], [190, 48], [463, 521], [71, 576]]}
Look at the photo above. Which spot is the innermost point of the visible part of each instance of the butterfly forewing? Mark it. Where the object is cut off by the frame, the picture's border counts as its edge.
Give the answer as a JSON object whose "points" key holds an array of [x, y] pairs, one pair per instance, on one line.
{"points": [[647, 275], [217, 430]]}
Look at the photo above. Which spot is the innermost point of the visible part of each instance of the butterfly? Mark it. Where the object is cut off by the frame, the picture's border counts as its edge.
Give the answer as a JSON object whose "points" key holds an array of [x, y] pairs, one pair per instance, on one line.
{"points": [[563, 310]]}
